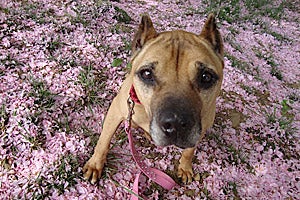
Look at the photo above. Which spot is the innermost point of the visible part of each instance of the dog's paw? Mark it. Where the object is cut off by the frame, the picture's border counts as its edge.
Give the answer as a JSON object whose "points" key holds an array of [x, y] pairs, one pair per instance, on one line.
{"points": [[92, 169], [185, 172]]}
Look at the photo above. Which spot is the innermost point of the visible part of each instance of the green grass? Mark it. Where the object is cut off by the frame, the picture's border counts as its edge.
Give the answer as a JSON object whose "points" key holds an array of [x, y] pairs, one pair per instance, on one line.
{"points": [[54, 44], [230, 38], [37, 141], [117, 62], [37, 12], [93, 136], [231, 190], [228, 10], [121, 15], [256, 4], [127, 44], [206, 193], [127, 189], [276, 72], [63, 176], [242, 65], [43, 102], [258, 52], [294, 97], [120, 139], [68, 62], [265, 8], [236, 156], [190, 11], [63, 122], [278, 36], [236, 63], [234, 31], [284, 139], [274, 68], [4, 10], [190, 192], [43, 96], [266, 28], [80, 18], [3, 118], [39, 192], [10, 62], [111, 165], [66, 172], [286, 118], [92, 82]]}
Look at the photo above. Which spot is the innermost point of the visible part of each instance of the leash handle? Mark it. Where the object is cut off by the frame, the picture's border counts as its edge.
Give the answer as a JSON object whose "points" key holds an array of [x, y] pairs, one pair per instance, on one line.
{"points": [[155, 175]]}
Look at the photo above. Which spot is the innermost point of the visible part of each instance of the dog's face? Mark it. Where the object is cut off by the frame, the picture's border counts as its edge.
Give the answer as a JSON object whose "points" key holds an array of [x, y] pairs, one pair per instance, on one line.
{"points": [[177, 76]]}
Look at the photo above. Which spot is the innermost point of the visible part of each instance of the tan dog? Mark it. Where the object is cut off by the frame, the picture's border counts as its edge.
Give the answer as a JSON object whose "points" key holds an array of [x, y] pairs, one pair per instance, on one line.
{"points": [[177, 76]]}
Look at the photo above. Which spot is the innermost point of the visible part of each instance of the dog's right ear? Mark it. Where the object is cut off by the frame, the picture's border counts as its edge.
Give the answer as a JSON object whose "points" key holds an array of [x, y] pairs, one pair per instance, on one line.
{"points": [[144, 33], [211, 33]]}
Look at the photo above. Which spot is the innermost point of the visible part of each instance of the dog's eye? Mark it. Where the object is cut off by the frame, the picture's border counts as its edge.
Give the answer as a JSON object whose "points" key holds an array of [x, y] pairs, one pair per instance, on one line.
{"points": [[147, 76], [206, 78]]}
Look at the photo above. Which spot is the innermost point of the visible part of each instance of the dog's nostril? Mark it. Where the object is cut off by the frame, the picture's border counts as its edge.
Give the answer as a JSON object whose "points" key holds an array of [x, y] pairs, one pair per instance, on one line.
{"points": [[168, 127], [168, 123], [183, 124]]}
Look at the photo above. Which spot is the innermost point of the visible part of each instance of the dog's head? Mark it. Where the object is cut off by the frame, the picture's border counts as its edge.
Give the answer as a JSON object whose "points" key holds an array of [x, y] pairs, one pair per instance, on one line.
{"points": [[177, 76]]}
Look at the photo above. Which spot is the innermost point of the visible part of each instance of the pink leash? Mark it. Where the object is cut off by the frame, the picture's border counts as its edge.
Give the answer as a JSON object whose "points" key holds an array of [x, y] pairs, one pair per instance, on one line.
{"points": [[154, 174]]}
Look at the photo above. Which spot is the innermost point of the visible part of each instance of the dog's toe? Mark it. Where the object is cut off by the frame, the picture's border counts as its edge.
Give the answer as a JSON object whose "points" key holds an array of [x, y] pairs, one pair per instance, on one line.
{"points": [[87, 173], [185, 173], [95, 177], [92, 170]]}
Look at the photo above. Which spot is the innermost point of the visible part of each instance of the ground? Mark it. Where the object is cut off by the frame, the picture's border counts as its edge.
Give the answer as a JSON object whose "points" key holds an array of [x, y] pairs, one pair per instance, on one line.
{"points": [[62, 62]]}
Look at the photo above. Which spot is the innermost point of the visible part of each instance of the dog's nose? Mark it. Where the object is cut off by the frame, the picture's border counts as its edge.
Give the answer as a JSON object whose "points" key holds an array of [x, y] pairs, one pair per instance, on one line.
{"points": [[170, 123]]}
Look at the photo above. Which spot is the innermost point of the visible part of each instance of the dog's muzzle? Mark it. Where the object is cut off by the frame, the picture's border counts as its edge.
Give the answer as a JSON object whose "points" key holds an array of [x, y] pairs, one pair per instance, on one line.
{"points": [[176, 123]]}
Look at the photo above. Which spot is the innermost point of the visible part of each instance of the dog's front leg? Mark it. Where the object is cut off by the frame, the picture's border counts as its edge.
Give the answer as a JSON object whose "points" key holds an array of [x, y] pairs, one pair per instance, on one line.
{"points": [[93, 168], [185, 169]]}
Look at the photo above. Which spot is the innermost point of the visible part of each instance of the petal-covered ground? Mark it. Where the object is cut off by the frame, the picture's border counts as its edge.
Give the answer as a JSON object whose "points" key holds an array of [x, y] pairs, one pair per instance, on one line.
{"points": [[62, 62]]}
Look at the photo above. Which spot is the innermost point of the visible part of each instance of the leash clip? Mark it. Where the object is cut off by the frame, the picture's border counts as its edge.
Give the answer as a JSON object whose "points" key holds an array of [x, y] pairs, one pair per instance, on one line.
{"points": [[130, 104]]}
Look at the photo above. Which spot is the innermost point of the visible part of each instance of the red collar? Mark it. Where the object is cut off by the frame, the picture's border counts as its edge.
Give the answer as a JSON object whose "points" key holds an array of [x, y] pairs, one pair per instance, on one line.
{"points": [[133, 95]]}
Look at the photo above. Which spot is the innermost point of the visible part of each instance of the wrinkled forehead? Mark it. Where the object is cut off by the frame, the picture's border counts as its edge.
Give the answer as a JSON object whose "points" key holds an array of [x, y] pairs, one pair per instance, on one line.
{"points": [[170, 46]]}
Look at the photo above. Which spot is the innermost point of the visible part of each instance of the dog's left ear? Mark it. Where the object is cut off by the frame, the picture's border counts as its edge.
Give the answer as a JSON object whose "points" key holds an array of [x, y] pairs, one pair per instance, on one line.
{"points": [[212, 34], [144, 33]]}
